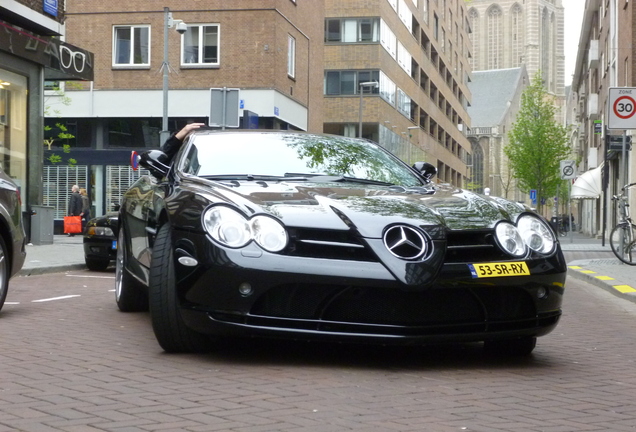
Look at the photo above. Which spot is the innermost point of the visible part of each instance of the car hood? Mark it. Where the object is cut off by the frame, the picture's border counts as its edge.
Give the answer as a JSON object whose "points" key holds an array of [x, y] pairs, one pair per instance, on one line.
{"points": [[367, 208]]}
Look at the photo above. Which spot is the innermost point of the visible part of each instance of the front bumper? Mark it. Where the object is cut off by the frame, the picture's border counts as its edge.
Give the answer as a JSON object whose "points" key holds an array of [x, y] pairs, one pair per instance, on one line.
{"points": [[250, 292], [102, 248]]}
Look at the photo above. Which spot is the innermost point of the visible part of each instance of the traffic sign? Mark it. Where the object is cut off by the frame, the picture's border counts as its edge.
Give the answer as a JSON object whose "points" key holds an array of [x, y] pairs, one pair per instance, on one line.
{"points": [[533, 196], [622, 108], [568, 169], [224, 107]]}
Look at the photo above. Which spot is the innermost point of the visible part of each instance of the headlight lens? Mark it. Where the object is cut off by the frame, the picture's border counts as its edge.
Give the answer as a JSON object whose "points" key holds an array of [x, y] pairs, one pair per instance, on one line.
{"points": [[100, 231], [536, 234], [232, 229], [510, 240], [269, 233], [227, 226]]}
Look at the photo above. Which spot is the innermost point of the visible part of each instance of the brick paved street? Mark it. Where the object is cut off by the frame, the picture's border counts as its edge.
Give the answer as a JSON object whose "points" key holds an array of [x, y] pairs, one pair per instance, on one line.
{"points": [[75, 363]]}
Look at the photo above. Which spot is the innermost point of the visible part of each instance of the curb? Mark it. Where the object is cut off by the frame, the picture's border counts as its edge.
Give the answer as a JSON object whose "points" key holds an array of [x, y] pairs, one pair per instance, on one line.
{"points": [[594, 280], [50, 269]]}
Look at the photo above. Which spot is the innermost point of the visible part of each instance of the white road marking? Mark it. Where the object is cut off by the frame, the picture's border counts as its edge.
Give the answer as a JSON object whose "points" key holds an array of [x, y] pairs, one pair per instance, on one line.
{"points": [[11, 303], [55, 298]]}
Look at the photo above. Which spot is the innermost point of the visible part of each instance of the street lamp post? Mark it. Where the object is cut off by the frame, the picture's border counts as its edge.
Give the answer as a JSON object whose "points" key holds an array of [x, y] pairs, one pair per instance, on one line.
{"points": [[168, 23], [372, 84]]}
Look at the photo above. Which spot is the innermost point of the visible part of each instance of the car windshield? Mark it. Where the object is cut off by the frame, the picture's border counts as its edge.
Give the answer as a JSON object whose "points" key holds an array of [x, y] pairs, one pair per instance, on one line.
{"points": [[294, 157]]}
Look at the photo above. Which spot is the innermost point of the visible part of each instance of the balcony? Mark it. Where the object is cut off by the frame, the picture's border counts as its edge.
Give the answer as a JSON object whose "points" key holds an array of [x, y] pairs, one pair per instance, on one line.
{"points": [[592, 55], [592, 106]]}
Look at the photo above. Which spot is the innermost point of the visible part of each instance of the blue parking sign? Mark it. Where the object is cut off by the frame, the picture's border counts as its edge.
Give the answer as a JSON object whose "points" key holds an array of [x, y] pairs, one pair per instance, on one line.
{"points": [[533, 196]]}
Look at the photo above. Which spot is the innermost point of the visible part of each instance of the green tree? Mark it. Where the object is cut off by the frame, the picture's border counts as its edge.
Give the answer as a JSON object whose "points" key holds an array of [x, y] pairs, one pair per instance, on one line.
{"points": [[62, 135], [537, 143]]}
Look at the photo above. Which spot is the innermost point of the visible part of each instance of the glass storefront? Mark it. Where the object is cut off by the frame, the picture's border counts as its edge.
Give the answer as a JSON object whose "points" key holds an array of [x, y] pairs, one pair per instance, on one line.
{"points": [[13, 127]]}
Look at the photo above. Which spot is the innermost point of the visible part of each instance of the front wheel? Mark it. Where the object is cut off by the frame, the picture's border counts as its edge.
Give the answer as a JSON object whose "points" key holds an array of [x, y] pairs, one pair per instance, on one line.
{"points": [[129, 294], [170, 330], [623, 243]]}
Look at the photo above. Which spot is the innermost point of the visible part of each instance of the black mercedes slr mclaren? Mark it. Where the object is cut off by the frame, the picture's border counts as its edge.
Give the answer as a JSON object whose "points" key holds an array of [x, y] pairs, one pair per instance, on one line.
{"points": [[306, 236]]}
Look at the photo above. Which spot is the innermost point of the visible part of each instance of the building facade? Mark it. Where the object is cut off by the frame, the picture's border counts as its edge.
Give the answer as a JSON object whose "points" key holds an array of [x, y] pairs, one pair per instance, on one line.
{"points": [[496, 102], [605, 60], [509, 33], [32, 50], [270, 50], [396, 72]]}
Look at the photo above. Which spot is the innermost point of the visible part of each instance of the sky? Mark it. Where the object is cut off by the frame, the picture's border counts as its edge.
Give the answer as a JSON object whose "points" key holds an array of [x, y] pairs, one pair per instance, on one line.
{"points": [[573, 17]]}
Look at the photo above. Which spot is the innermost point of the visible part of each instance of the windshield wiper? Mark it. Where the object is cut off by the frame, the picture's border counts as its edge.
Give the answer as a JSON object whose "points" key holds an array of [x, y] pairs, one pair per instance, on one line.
{"points": [[338, 178], [253, 177]]}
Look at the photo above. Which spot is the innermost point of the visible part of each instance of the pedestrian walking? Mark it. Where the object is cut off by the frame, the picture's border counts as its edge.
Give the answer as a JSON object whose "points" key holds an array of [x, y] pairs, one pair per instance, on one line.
{"points": [[75, 203], [86, 207]]}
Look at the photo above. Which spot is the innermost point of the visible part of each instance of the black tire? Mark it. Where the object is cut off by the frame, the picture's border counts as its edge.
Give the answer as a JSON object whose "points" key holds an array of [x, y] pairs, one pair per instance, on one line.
{"points": [[170, 329], [520, 347], [96, 264], [4, 272], [625, 250], [129, 294]]}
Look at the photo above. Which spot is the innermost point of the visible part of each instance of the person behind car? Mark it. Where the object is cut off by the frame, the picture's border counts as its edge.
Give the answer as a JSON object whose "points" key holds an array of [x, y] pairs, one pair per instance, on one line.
{"points": [[173, 144], [75, 203], [86, 207]]}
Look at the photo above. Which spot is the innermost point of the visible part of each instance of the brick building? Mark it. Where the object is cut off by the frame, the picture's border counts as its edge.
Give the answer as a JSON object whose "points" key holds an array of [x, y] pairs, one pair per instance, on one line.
{"points": [[417, 51], [606, 59], [269, 49]]}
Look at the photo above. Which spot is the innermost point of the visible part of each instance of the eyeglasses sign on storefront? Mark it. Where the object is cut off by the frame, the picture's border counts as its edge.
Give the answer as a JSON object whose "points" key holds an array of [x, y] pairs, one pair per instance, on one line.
{"points": [[62, 61]]}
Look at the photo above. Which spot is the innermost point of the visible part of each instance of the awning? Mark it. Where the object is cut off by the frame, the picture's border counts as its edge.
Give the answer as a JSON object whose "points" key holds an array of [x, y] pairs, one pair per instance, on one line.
{"points": [[587, 185]]}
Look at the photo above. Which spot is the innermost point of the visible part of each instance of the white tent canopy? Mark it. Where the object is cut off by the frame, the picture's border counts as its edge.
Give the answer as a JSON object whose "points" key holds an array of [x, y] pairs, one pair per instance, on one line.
{"points": [[587, 185]]}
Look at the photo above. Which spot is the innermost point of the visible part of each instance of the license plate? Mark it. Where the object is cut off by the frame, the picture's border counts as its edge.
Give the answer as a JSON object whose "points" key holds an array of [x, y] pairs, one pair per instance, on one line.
{"points": [[485, 270], [114, 244]]}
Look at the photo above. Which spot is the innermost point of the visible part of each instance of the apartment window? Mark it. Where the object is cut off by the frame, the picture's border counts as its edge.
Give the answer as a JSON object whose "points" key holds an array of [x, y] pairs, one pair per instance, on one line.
{"points": [[353, 30], [403, 103], [393, 4], [425, 10], [131, 46], [388, 39], [347, 82], [435, 26], [291, 56], [387, 89], [200, 45]]}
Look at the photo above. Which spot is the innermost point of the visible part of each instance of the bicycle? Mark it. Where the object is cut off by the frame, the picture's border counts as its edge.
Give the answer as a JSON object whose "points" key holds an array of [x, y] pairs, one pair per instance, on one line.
{"points": [[623, 238]]}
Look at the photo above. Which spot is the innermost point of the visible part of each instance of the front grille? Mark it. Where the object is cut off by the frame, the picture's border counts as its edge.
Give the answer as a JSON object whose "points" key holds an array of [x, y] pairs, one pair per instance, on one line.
{"points": [[328, 244], [473, 247], [361, 309]]}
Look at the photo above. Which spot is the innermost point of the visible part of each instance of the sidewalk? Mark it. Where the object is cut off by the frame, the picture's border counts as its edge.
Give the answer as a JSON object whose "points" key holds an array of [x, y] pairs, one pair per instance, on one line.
{"points": [[602, 268], [599, 267], [66, 253]]}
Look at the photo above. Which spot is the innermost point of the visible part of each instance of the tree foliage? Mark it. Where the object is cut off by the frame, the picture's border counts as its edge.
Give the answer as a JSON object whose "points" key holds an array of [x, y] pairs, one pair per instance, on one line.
{"points": [[537, 142], [63, 134]]}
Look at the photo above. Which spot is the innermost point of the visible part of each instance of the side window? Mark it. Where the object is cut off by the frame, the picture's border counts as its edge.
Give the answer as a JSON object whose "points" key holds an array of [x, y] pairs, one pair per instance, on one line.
{"points": [[131, 46], [200, 45]]}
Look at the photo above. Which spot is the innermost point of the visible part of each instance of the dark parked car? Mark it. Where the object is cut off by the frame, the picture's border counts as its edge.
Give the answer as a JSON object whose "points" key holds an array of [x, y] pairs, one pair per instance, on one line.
{"points": [[304, 236], [12, 238], [100, 241]]}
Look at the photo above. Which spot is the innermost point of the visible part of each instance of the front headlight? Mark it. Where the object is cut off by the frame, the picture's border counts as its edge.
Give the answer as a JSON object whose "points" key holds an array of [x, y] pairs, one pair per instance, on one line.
{"points": [[227, 226], [232, 229], [269, 233], [510, 240], [536, 234], [100, 231]]}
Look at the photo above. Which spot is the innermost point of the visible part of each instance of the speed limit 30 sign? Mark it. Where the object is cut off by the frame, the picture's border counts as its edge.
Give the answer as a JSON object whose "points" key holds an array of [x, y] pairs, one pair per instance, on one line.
{"points": [[622, 108]]}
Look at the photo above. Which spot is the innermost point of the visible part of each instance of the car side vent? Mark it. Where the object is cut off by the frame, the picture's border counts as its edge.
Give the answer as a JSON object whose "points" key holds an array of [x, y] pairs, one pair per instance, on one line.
{"points": [[329, 244], [473, 246]]}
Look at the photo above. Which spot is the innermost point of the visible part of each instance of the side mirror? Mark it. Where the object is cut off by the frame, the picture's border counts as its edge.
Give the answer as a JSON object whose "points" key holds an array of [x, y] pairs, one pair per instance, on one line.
{"points": [[156, 162], [425, 169]]}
